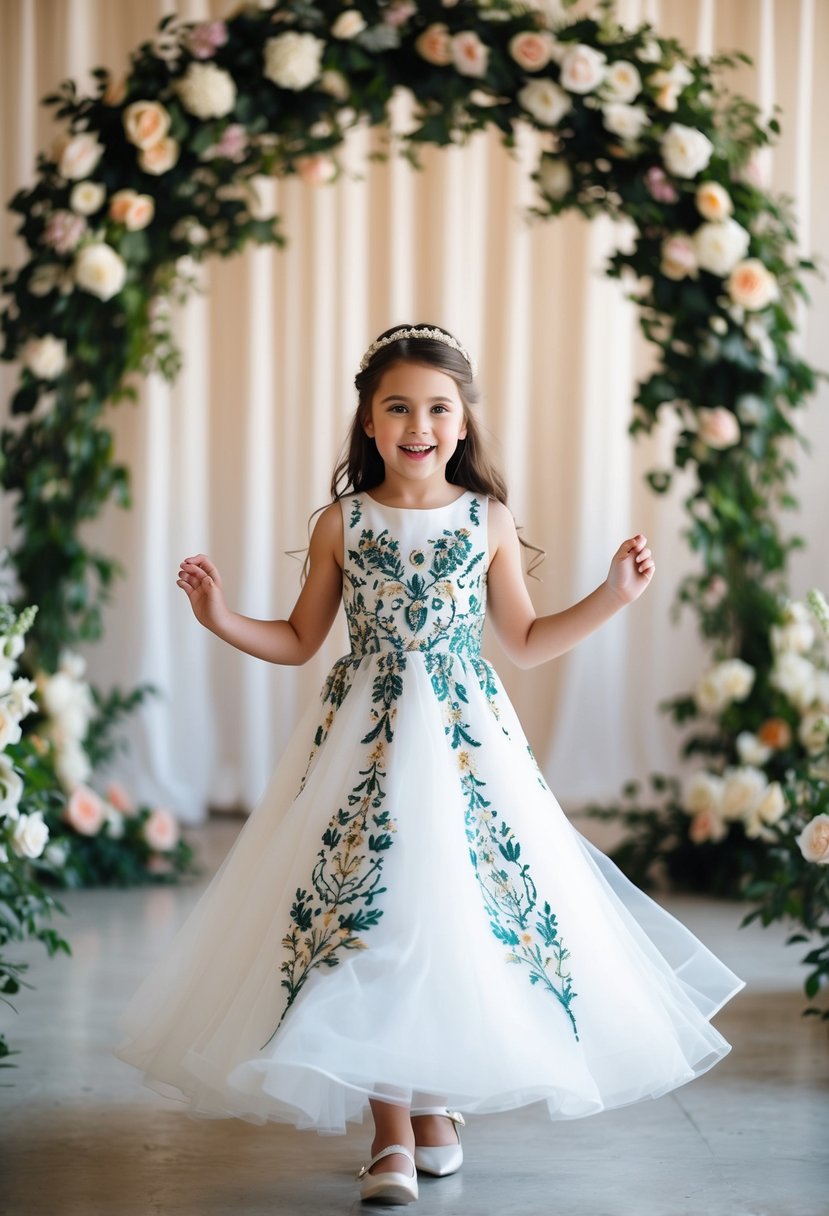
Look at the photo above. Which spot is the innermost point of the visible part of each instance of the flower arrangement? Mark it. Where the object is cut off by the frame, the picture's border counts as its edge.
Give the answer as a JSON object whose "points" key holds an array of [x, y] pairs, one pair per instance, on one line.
{"points": [[25, 800]]}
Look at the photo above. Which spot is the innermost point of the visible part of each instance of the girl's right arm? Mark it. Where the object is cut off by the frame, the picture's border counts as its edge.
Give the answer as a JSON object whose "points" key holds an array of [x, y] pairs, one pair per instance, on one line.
{"points": [[290, 642]]}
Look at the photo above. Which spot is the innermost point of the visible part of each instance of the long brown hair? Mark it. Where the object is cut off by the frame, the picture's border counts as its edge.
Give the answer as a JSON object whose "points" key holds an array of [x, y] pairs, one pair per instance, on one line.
{"points": [[361, 467]]}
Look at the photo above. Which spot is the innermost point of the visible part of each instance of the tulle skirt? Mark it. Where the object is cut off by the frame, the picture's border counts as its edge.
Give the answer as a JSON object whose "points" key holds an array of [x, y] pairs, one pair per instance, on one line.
{"points": [[440, 1002]]}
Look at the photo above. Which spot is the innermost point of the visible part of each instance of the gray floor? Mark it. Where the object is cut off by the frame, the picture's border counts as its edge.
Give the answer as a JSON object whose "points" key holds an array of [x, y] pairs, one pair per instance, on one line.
{"points": [[82, 1137]]}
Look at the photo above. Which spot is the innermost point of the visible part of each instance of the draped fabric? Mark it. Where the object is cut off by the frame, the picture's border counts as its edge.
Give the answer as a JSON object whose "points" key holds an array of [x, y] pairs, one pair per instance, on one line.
{"points": [[233, 458]]}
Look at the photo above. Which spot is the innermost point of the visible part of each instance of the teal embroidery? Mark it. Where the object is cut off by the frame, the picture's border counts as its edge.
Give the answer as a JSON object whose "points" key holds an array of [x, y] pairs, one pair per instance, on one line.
{"points": [[356, 512]]}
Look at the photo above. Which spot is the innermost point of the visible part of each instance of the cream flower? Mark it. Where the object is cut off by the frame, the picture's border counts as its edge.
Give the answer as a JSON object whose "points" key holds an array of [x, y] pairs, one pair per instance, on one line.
{"points": [[85, 811], [713, 201], [582, 69], [87, 198], [10, 731], [743, 790], [11, 790], [72, 766], [45, 357], [435, 45], [669, 84], [45, 278], [207, 91], [703, 794], [750, 749], [161, 830], [624, 120], [720, 246], [794, 676], [813, 731], [78, 155], [752, 285], [731, 680], [532, 50], [145, 123], [545, 101], [469, 55], [718, 428], [349, 24], [554, 177], [100, 270], [679, 258], [292, 60], [622, 82], [685, 150], [30, 835], [796, 632], [813, 841], [335, 85], [159, 157], [707, 826]]}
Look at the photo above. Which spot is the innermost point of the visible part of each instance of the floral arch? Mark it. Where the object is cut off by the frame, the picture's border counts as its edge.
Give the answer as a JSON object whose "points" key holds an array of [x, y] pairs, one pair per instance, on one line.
{"points": [[161, 166]]}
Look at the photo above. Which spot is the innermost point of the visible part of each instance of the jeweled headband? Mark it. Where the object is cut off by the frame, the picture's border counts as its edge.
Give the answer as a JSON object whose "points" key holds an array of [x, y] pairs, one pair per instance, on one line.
{"points": [[434, 335]]}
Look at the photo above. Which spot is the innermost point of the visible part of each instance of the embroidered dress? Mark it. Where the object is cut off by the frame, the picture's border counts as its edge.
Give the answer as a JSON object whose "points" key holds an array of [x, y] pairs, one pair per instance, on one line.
{"points": [[408, 911]]}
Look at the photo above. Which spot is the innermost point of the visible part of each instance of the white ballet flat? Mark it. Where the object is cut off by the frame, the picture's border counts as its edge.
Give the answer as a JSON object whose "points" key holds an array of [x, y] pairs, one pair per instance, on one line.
{"points": [[390, 1187], [440, 1159]]}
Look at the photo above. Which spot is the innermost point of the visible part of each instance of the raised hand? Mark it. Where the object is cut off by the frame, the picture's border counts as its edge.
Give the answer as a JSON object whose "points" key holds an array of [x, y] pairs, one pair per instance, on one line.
{"points": [[200, 579], [631, 569]]}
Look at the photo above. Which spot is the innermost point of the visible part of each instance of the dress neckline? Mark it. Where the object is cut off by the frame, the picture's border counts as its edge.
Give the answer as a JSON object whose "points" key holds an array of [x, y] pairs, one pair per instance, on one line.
{"points": [[421, 510]]}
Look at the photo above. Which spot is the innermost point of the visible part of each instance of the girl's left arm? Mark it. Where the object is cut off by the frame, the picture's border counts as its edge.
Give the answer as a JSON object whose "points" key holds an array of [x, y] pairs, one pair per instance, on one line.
{"points": [[529, 639]]}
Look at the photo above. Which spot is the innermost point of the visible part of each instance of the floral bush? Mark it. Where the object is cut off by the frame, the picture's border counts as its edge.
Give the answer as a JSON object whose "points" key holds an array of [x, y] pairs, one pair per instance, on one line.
{"points": [[26, 798]]}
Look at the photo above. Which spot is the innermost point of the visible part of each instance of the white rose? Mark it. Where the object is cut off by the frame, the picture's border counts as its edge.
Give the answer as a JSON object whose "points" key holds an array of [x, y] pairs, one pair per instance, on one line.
{"points": [[87, 197], [813, 731], [30, 835], [554, 177], [10, 731], [20, 697], [349, 24], [796, 632], [146, 123], [814, 840], [11, 789], [79, 155], [45, 357], [772, 806], [582, 69], [704, 793], [207, 91], [469, 55], [622, 81], [731, 680], [679, 258], [718, 428], [794, 676], [623, 120], [685, 150], [751, 285], [720, 246], [545, 101], [72, 767], [713, 201], [292, 60], [750, 749], [744, 788], [57, 692], [100, 270]]}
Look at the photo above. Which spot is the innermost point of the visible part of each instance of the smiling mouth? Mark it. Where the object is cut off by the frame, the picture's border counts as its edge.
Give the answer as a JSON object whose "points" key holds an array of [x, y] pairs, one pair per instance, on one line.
{"points": [[417, 449]]}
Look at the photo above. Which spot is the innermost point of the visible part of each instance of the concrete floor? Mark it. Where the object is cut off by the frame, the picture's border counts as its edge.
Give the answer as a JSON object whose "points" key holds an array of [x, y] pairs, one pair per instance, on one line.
{"points": [[82, 1137]]}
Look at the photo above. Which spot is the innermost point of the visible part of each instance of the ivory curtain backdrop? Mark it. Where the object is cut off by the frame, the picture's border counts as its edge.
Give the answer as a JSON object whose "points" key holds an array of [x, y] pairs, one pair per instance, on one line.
{"points": [[234, 457]]}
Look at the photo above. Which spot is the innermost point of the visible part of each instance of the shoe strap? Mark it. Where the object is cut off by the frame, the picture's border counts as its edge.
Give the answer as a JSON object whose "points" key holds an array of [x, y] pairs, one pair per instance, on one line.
{"points": [[454, 1115], [387, 1152]]}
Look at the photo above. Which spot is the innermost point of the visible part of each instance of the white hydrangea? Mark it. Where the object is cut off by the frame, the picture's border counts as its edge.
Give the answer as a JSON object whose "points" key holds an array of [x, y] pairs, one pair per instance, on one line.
{"points": [[207, 91]]}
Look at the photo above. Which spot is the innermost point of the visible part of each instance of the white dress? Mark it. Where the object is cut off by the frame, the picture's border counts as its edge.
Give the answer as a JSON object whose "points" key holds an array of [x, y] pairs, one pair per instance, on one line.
{"points": [[408, 912]]}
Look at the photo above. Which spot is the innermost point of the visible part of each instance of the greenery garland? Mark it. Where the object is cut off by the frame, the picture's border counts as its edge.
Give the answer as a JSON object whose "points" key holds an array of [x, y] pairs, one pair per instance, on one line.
{"points": [[160, 168]]}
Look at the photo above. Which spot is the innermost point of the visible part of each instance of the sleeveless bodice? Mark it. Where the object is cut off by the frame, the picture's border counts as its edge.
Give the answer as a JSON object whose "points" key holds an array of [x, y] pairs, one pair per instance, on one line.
{"points": [[415, 580]]}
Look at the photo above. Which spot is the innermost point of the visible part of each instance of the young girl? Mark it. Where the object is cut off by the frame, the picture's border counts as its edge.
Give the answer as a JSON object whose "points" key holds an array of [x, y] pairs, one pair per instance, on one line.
{"points": [[408, 921]]}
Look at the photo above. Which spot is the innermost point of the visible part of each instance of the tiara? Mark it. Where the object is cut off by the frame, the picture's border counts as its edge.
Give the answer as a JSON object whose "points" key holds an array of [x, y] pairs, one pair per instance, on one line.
{"points": [[434, 335]]}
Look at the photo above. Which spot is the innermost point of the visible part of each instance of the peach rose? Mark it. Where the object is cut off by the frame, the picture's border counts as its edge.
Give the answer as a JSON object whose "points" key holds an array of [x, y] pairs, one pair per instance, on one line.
{"points": [[134, 211], [118, 797], [435, 45], [775, 733], [348, 24], [161, 831], [469, 55], [115, 91], [814, 840], [532, 50], [679, 258], [713, 201], [146, 123], [160, 157], [751, 285], [718, 428], [707, 826], [85, 811]]}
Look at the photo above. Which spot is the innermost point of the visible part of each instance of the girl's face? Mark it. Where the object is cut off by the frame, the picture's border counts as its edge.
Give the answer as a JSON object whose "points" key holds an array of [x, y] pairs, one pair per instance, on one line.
{"points": [[417, 418]]}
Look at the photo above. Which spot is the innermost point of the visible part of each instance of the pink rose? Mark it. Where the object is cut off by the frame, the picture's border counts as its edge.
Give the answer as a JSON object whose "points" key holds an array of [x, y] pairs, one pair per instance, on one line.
{"points": [[659, 187], [398, 13], [204, 39], [751, 285], [118, 797], [469, 55], [532, 50], [232, 146], [435, 45], [64, 230], [161, 831], [85, 811], [718, 428], [160, 157], [679, 259]]}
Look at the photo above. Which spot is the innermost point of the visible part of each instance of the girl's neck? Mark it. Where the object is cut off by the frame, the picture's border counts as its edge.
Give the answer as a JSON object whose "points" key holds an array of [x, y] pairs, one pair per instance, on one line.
{"points": [[417, 496]]}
